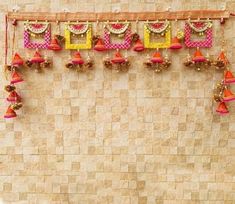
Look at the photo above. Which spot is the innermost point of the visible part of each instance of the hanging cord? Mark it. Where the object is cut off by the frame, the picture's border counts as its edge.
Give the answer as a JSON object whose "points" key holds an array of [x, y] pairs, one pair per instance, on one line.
{"points": [[6, 39], [57, 27], [13, 41], [224, 48], [14, 24], [97, 27], [177, 26], [223, 41], [6, 46], [13, 47], [136, 25]]}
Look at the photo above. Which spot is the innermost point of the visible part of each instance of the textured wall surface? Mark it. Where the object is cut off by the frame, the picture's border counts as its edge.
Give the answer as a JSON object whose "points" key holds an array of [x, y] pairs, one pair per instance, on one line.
{"points": [[117, 138]]}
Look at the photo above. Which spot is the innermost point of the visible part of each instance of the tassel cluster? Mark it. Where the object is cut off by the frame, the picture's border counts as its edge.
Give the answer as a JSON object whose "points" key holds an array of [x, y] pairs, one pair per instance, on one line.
{"points": [[37, 62], [157, 63], [13, 97], [198, 61], [79, 64], [221, 62], [223, 94], [118, 62]]}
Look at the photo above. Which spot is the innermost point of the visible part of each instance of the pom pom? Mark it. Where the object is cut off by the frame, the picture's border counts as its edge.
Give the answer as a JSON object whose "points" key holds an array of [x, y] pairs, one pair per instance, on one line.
{"points": [[70, 65], [28, 63], [38, 69], [198, 66], [108, 64], [7, 67], [166, 64], [46, 64], [81, 68], [208, 63], [220, 65], [95, 39], [89, 64], [180, 34], [14, 22], [60, 38], [10, 88], [17, 106], [124, 66], [217, 98], [148, 64], [157, 68], [188, 63], [135, 37]]}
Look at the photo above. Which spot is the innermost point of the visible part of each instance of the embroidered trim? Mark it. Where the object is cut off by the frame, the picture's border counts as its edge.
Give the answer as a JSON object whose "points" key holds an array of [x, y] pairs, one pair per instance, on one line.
{"points": [[36, 28], [78, 28], [200, 26], [157, 27], [117, 28]]}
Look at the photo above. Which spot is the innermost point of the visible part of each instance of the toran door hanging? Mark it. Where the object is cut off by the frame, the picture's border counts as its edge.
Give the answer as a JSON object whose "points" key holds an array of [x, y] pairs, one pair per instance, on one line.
{"points": [[118, 34]]}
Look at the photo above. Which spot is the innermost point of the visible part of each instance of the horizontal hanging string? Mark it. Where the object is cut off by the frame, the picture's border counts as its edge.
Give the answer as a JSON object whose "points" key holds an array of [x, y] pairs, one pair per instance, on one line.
{"points": [[121, 16]]}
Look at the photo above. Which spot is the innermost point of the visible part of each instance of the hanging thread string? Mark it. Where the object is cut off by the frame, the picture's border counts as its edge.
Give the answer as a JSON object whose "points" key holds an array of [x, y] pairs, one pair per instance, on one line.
{"points": [[6, 39], [6, 47], [13, 48], [13, 41]]}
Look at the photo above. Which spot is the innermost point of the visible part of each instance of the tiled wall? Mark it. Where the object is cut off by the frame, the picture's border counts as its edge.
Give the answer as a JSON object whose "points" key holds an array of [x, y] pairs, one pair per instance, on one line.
{"points": [[118, 138]]}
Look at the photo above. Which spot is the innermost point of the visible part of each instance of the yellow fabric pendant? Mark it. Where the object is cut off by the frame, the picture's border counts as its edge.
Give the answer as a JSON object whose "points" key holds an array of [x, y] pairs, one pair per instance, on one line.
{"points": [[154, 45], [78, 46]]}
